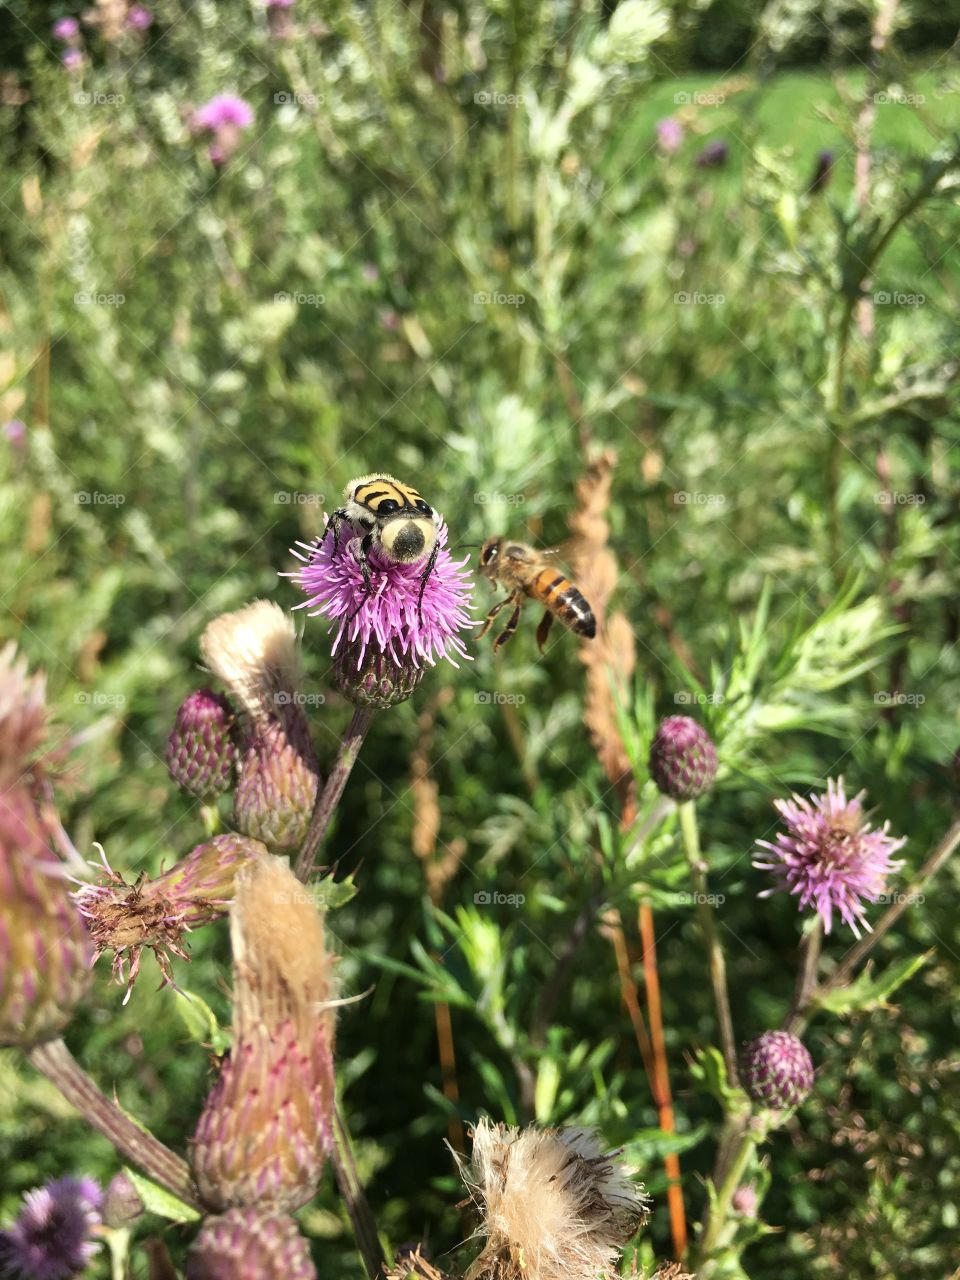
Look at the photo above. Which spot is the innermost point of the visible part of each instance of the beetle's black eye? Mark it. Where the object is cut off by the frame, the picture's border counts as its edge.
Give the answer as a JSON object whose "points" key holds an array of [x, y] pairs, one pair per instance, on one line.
{"points": [[423, 508], [388, 507]]}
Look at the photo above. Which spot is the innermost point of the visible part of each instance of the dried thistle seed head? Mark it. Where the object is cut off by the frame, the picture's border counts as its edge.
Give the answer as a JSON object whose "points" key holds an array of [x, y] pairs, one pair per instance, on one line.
{"points": [[266, 1126], [683, 760], [244, 1244], [125, 918], [553, 1205], [254, 653], [277, 787], [410, 1264], [673, 1271], [200, 752], [45, 951]]}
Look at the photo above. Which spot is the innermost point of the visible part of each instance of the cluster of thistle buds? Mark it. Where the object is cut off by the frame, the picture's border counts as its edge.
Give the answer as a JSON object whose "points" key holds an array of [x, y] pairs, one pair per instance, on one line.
{"points": [[261, 749]]}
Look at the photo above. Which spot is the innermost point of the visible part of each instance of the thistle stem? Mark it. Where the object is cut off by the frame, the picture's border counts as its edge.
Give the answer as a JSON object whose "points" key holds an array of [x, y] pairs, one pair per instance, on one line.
{"points": [[351, 1190], [719, 1209], [329, 797], [806, 977], [60, 1067], [708, 927]]}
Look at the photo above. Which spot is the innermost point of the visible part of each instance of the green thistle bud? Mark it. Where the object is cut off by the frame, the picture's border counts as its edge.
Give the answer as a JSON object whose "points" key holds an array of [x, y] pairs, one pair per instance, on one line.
{"points": [[45, 952], [266, 1127], [245, 1243], [370, 677], [200, 751], [278, 783]]}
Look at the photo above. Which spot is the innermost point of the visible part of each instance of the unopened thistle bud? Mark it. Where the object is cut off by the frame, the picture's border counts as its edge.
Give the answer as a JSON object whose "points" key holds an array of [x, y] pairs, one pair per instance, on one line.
{"points": [[45, 952], [200, 751], [121, 1204], [254, 652], [777, 1070], [247, 1243], [683, 760], [371, 678], [155, 914], [266, 1127], [554, 1206]]}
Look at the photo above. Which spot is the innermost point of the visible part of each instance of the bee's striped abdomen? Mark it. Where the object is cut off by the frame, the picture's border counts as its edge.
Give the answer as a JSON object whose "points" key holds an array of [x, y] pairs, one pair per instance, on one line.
{"points": [[558, 594]]}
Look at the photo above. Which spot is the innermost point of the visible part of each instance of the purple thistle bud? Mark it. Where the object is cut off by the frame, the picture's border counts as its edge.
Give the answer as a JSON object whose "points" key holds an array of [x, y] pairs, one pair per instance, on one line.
{"points": [[277, 788], [822, 172], [250, 1242], [139, 18], [745, 1200], [200, 752], [777, 1070], [73, 60], [66, 29], [50, 1240], [16, 432], [829, 856], [683, 760], [385, 637], [225, 110], [714, 155], [266, 1127], [669, 134], [157, 913], [121, 1204]]}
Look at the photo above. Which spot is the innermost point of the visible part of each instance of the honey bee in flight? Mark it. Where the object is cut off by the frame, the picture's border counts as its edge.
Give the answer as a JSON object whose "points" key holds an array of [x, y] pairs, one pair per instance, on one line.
{"points": [[528, 575], [394, 519]]}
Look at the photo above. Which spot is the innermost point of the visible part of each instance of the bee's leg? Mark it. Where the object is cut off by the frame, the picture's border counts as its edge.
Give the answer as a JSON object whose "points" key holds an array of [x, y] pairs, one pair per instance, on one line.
{"points": [[335, 521], [488, 621], [424, 576], [546, 622], [507, 632], [366, 543]]}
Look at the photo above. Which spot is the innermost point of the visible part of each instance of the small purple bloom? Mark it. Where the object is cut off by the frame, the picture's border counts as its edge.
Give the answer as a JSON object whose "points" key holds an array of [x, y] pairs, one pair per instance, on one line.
{"points": [[16, 432], [139, 17], [222, 111], [714, 155], [829, 856], [669, 134], [388, 618], [66, 29], [73, 59], [50, 1240]]}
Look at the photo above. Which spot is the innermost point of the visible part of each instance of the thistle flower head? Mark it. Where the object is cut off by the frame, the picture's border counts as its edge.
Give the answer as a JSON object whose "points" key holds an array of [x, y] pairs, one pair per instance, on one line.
{"points": [[139, 17], [714, 155], [156, 913], [226, 109], [554, 1206], [266, 1126], [65, 29], [669, 134], [250, 1242], [683, 760], [829, 856], [200, 752], [23, 713], [777, 1070], [50, 1240], [390, 620]]}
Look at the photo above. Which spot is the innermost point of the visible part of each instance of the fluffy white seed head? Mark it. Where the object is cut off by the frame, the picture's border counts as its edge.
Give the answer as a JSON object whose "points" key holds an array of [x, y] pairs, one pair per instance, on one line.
{"points": [[254, 652], [553, 1205]]}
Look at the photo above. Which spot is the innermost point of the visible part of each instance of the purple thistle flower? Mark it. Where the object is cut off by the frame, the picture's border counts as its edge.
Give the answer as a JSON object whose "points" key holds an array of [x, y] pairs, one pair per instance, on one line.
{"points": [[388, 619], [16, 432], [66, 29], [50, 1240], [669, 134], [714, 155], [73, 59], [829, 856], [140, 18], [224, 110]]}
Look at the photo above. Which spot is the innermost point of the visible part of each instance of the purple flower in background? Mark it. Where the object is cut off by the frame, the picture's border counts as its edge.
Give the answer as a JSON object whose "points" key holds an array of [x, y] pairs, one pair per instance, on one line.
{"points": [[714, 155], [66, 29], [669, 134], [388, 618], [829, 856], [16, 432], [224, 111], [50, 1240], [73, 59], [140, 18], [280, 4]]}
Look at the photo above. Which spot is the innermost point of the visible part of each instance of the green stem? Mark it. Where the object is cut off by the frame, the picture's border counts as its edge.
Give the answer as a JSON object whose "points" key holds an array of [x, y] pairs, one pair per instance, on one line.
{"points": [[719, 1210], [708, 927], [329, 797], [807, 976], [354, 1197]]}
